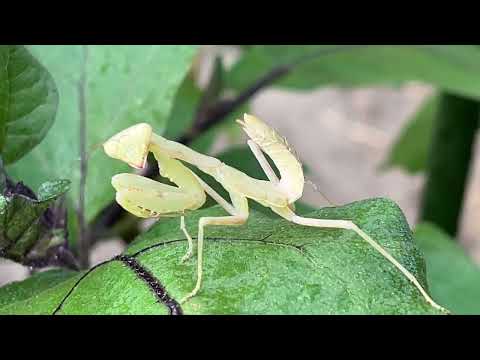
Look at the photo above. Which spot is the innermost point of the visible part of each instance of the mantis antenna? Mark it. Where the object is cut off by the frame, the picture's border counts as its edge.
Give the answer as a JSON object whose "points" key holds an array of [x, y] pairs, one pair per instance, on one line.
{"points": [[147, 198], [315, 187]]}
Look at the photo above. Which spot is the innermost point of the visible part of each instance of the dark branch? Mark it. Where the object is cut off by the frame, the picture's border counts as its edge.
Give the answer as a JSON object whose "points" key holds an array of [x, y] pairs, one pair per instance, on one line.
{"points": [[214, 114]]}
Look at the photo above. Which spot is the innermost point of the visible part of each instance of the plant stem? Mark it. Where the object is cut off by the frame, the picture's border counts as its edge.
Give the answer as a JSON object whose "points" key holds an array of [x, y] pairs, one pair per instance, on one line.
{"points": [[83, 237], [449, 163]]}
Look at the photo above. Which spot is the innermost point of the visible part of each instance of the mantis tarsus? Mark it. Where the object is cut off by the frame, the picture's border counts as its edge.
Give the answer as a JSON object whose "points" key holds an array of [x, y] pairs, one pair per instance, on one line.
{"points": [[147, 198]]}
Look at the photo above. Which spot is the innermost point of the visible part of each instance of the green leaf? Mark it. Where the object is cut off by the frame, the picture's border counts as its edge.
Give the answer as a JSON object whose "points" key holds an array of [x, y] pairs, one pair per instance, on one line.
{"points": [[52, 189], [455, 68], [411, 150], [21, 225], [263, 267], [28, 102], [124, 85], [452, 275]]}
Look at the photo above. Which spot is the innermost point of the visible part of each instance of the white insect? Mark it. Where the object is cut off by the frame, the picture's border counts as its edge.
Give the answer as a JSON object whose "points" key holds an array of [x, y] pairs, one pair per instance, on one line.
{"points": [[147, 198]]}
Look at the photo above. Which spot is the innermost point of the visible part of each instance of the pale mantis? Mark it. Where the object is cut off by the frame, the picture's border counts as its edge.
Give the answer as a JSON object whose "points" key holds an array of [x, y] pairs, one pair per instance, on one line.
{"points": [[147, 198]]}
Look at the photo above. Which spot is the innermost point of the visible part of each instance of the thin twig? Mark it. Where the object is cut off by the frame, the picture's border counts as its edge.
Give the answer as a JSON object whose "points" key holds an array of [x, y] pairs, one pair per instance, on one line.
{"points": [[83, 241]]}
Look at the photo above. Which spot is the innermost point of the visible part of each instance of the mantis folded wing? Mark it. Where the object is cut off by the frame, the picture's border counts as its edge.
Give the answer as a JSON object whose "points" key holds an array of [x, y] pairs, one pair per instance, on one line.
{"points": [[147, 198]]}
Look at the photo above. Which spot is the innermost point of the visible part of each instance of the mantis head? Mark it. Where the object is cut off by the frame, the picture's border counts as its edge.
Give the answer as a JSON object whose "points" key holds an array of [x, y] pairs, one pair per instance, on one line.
{"points": [[130, 145]]}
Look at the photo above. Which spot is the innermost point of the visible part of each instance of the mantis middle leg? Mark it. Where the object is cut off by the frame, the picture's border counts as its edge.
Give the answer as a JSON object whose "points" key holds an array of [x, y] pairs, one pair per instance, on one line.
{"points": [[189, 252], [215, 196], [239, 215]]}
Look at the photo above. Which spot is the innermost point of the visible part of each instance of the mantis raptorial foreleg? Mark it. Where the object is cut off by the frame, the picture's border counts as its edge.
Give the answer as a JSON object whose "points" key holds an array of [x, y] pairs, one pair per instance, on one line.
{"points": [[147, 198]]}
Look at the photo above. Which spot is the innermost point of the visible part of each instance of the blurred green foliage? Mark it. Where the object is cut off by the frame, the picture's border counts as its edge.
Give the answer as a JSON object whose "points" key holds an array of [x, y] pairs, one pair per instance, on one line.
{"points": [[453, 277], [412, 148]]}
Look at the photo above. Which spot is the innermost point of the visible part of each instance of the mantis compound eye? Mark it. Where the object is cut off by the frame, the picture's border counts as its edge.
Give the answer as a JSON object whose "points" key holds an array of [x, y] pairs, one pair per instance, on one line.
{"points": [[130, 145]]}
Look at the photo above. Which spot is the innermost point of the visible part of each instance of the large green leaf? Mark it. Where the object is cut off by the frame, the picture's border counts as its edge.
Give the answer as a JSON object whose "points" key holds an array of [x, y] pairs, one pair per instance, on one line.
{"points": [[124, 85], [452, 275], [411, 150], [28, 102], [455, 68], [263, 267]]}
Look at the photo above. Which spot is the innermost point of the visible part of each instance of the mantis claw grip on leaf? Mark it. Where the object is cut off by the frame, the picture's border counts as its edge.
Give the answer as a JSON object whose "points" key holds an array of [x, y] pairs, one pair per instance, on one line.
{"points": [[147, 198]]}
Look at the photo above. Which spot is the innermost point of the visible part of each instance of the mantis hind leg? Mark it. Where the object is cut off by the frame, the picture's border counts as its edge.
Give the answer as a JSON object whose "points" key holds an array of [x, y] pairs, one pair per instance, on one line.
{"points": [[238, 217], [348, 225]]}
